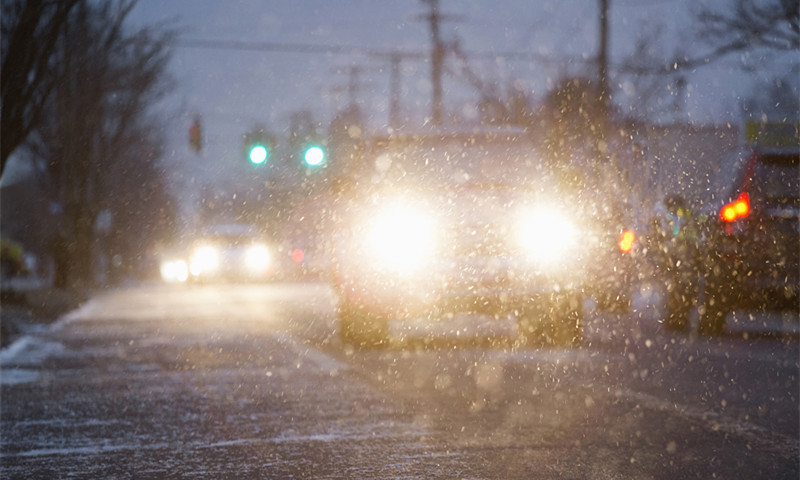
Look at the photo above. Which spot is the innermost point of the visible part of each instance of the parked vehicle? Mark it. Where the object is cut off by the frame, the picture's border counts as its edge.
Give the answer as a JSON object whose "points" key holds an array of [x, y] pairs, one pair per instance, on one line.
{"points": [[753, 236]]}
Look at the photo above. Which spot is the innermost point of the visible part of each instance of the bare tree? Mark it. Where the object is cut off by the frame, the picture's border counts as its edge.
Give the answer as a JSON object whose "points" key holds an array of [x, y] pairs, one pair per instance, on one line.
{"points": [[655, 78], [30, 32], [740, 26], [98, 137], [777, 99], [769, 24], [649, 80]]}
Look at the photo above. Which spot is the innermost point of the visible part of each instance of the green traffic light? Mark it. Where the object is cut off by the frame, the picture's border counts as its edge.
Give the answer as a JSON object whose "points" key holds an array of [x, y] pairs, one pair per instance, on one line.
{"points": [[258, 154], [314, 156]]}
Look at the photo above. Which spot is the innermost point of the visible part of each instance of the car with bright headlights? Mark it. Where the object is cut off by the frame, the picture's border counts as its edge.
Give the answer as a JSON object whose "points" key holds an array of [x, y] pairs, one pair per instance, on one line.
{"points": [[232, 252], [446, 223]]}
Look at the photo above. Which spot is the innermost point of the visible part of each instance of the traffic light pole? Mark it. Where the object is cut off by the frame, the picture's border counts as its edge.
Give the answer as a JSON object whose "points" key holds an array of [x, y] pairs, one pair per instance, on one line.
{"points": [[602, 73]]}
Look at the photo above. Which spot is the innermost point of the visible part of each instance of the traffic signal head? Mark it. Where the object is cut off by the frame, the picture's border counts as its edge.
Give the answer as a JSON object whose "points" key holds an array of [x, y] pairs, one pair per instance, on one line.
{"points": [[314, 156], [258, 146], [258, 154], [196, 134]]}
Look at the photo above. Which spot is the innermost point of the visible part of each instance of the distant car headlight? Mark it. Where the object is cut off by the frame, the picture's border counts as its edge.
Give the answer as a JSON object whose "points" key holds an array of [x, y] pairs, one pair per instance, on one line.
{"points": [[547, 236], [401, 239], [205, 259], [258, 258], [174, 271]]}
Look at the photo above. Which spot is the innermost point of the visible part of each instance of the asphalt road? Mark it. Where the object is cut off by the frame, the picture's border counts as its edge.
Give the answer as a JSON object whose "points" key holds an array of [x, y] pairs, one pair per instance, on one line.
{"points": [[253, 382]]}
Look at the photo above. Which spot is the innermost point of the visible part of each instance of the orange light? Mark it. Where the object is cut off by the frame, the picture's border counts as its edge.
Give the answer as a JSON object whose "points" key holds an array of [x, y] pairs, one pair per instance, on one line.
{"points": [[728, 213], [297, 255], [742, 205], [626, 240], [735, 210]]}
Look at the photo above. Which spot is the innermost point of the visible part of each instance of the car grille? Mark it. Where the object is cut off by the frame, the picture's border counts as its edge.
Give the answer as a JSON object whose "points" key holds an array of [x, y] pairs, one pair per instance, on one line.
{"points": [[479, 240]]}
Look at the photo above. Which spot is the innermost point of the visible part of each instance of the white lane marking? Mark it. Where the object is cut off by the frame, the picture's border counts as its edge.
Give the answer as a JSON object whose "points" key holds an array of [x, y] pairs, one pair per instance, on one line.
{"points": [[318, 437], [759, 437], [88, 450], [743, 354], [320, 360], [555, 355]]}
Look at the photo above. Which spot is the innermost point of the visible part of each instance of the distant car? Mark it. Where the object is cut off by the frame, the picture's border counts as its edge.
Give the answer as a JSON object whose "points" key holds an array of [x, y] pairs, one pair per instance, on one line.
{"points": [[174, 270], [466, 222], [232, 252], [753, 236]]}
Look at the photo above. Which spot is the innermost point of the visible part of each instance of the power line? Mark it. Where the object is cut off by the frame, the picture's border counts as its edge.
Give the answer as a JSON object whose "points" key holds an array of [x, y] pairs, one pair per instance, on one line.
{"points": [[407, 54], [280, 47], [307, 48]]}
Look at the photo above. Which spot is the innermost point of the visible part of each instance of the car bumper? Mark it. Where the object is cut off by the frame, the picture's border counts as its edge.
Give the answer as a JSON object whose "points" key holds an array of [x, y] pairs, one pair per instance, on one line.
{"points": [[437, 292], [232, 275]]}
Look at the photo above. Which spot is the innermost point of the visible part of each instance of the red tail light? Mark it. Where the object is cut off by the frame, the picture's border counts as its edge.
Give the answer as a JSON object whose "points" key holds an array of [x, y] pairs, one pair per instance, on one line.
{"points": [[735, 210], [626, 241]]}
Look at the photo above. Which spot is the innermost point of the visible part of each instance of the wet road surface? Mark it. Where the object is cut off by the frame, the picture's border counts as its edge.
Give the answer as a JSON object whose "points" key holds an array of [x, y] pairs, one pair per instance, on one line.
{"points": [[252, 382]]}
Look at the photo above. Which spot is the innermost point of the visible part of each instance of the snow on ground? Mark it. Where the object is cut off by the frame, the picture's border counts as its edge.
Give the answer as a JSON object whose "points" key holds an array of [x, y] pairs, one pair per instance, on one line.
{"points": [[29, 351], [14, 376]]}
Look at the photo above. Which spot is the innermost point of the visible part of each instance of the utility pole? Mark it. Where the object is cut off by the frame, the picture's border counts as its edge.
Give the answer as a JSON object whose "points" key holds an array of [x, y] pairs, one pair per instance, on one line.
{"points": [[396, 58], [437, 59], [353, 82], [394, 90]]}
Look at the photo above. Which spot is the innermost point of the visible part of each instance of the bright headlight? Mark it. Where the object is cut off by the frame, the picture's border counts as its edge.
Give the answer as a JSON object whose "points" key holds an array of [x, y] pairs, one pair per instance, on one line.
{"points": [[547, 236], [258, 258], [205, 259], [174, 271], [401, 239]]}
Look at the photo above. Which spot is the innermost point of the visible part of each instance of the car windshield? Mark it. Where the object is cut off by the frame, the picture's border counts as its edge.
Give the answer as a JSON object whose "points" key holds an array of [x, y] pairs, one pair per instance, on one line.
{"points": [[457, 163], [233, 240], [471, 159]]}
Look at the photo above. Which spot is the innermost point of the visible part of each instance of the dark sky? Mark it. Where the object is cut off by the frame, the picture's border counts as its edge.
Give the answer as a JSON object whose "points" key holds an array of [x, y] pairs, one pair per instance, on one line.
{"points": [[238, 88], [235, 89]]}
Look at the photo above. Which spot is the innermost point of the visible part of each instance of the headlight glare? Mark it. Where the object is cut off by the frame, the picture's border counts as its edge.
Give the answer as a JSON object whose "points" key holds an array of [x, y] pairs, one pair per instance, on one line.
{"points": [[258, 258], [547, 236], [174, 271], [205, 259], [401, 239]]}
